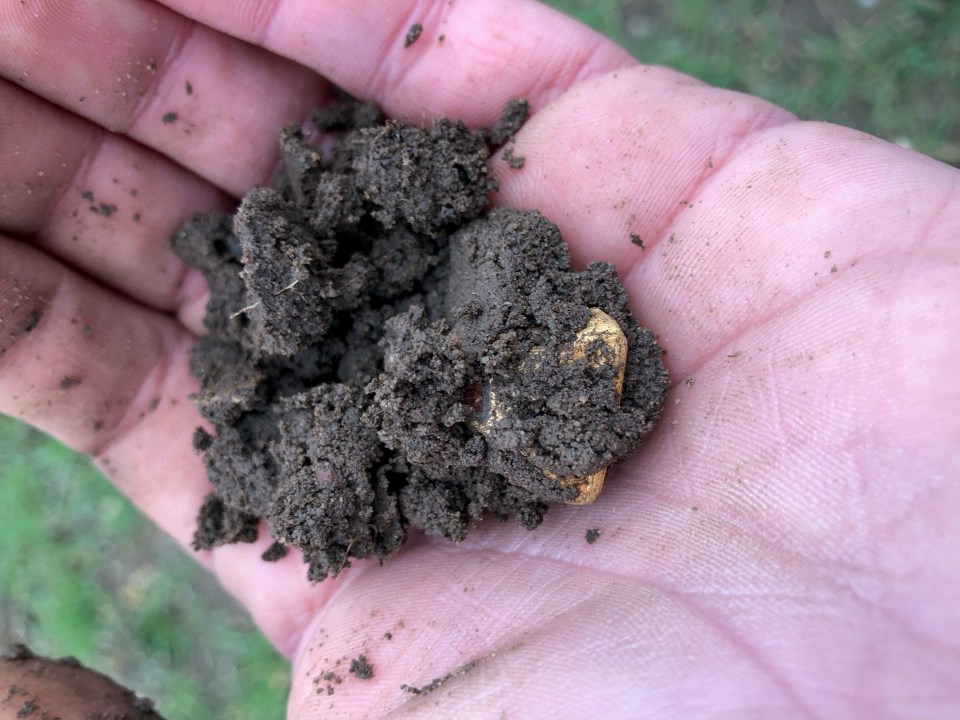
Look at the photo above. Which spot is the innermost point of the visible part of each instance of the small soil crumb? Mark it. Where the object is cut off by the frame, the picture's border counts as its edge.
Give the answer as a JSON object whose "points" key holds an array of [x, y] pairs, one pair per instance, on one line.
{"points": [[169, 118], [330, 678], [833, 269], [513, 161], [189, 88], [107, 209], [636, 240], [591, 535], [388, 635], [68, 382], [826, 254], [39, 687], [439, 682], [383, 351], [412, 34], [87, 195], [512, 119], [276, 551], [361, 668]]}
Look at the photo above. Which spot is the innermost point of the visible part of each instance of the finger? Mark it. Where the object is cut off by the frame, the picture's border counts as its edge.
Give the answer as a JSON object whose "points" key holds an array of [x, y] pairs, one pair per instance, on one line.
{"points": [[99, 202], [470, 58], [209, 102], [492, 617], [106, 376]]}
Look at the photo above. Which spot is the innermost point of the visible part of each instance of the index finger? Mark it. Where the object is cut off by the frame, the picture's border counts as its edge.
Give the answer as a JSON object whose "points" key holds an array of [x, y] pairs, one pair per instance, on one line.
{"points": [[469, 57]]}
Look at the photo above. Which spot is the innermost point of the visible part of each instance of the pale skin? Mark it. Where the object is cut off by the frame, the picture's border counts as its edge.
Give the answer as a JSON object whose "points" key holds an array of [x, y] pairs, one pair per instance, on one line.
{"points": [[784, 545]]}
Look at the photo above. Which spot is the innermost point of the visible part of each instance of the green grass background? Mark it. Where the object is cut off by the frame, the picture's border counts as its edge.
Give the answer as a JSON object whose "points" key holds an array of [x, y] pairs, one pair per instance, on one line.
{"points": [[81, 573]]}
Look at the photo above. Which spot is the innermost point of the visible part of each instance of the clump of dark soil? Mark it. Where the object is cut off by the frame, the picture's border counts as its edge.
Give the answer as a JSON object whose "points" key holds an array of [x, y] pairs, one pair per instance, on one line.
{"points": [[361, 667], [360, 313]]}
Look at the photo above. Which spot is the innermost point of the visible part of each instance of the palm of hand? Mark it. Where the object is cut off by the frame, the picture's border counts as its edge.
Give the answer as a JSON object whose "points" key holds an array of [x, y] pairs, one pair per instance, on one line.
{"points": [[781, 546]]}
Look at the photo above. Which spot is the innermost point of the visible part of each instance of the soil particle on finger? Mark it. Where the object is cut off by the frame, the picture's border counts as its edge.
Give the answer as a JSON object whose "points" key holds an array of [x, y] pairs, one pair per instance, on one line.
{"points": [[276, 551], [326, 681], [360, 667], [591, 535], [514, 162], [511, 120], [412, 34], [169, 118], [439, 682], [385, 352]]}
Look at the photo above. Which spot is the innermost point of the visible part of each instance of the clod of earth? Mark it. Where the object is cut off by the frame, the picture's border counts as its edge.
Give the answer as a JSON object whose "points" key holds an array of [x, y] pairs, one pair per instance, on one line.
{"points": [[37, 687], [385, 351]]}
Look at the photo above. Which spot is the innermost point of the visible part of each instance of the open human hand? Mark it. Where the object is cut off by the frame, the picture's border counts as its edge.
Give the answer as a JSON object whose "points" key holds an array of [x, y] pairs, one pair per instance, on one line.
{"points": [[784, 544]]}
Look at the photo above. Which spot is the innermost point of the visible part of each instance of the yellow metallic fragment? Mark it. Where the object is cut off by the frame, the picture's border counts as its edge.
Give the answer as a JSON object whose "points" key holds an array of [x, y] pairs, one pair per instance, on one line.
{"points": [[600, 327]]}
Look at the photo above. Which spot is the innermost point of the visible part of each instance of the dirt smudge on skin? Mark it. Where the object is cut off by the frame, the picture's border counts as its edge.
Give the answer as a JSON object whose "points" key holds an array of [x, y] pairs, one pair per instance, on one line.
{"points": [[68, 381], [439, 682], [412, 34]]}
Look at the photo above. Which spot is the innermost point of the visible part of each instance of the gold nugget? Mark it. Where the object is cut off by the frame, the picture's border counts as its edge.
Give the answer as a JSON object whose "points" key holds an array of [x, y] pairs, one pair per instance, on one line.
{"points": [[600, 327]]}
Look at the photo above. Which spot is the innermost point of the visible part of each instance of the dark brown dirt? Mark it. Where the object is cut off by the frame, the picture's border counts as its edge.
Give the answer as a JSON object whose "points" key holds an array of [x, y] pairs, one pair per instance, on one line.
{"points": [[439, 682], [412, 34], [514, 161], [361, 668], [275, 552], [37, 687], [359, 313]]}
